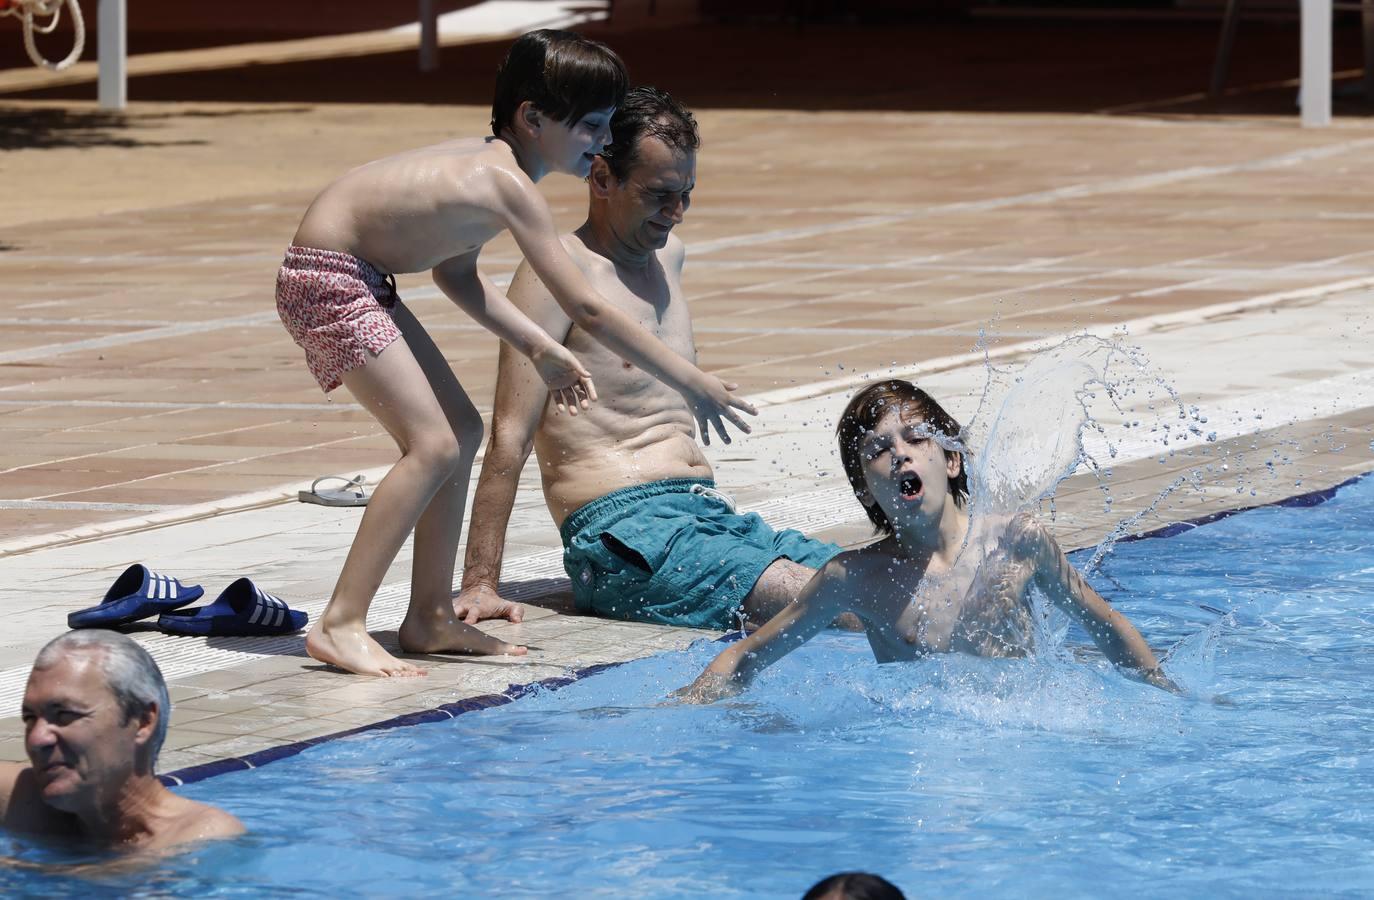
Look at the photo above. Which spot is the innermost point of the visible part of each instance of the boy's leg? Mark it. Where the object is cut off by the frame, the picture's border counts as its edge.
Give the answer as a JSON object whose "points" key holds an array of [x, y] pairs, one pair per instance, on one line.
{"points": [[394, 389], [431, 624]]}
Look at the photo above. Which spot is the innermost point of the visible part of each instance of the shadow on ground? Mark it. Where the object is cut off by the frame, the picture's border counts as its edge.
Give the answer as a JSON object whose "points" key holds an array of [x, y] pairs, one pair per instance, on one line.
{"points": [[46, 128], [547, 593], [42, 129]]}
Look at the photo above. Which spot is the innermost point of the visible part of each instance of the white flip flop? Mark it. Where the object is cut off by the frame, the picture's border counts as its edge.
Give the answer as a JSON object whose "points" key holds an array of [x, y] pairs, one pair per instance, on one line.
{"points": [[353, 492]]}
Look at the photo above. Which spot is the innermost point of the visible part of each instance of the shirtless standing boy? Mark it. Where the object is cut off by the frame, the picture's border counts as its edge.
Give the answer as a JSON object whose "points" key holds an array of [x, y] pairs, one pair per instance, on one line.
{"points": [[434, 208], [925, 588]]}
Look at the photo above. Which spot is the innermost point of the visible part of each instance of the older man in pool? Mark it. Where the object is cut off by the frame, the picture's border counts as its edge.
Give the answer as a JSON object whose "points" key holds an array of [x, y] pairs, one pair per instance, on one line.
{"points": [[95, 715], [646, 535]]}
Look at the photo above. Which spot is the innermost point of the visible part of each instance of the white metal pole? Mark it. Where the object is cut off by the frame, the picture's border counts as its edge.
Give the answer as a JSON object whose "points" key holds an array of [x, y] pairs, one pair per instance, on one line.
{"points": [[112, 53], [1316, 63], [429, 37]]}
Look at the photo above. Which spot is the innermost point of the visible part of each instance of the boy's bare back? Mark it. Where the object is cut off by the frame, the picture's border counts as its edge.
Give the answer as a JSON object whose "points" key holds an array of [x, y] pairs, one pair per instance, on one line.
{"points": [[411, 211]]}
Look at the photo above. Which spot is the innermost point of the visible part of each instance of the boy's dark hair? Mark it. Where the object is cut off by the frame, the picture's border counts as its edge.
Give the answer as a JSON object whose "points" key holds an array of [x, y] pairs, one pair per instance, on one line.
{"points": [[862, 415], [648, 112], [561, 74], [854, 886]]}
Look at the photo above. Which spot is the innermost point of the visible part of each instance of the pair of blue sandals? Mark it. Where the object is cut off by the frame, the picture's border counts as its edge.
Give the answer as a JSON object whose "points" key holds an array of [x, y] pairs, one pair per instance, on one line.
{"points": [[242, 610]]}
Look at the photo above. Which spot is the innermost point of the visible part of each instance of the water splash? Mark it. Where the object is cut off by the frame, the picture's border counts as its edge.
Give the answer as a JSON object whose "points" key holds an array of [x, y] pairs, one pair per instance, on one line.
{"points": [[1191, 662], [1075, 406], [1080, 403]]}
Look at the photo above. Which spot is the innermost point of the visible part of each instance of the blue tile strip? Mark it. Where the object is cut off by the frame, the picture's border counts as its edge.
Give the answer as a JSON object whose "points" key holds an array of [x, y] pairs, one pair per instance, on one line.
{"points": [[1312, 498]]}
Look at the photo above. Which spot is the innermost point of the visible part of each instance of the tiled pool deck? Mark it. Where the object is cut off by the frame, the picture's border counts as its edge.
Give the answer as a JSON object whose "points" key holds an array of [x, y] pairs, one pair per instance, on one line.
{"points": [[155, 411]]}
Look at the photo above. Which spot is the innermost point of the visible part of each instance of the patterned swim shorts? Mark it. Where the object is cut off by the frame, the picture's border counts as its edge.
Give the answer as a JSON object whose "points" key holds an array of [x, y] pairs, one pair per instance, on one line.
{"points": [[338, 308]]}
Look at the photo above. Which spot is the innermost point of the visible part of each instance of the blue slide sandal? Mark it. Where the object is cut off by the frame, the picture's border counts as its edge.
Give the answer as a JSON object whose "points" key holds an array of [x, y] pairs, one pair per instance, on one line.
{"points": [[138, 593], [242, 610]]}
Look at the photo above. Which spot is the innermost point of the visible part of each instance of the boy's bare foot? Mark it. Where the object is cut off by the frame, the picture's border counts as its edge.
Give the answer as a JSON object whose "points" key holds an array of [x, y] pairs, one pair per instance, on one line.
{"points": [[449, 634], [351, 648]]}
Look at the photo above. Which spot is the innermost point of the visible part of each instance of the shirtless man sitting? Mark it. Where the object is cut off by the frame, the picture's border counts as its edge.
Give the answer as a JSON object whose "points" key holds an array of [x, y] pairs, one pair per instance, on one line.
{"points": [[95, 714], [646, 535]]}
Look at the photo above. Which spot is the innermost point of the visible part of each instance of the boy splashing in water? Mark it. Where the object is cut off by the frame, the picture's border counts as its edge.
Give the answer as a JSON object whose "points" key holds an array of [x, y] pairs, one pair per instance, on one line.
{"points": [[925, 587], [434, 208]]}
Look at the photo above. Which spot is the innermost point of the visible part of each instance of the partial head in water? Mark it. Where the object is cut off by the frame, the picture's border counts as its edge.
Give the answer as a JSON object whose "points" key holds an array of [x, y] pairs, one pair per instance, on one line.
{"points": [[854, 886], [901, 449]]}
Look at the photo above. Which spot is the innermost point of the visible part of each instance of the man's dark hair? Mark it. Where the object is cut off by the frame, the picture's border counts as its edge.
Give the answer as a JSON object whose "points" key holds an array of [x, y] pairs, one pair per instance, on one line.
{"points": [[863, 414], [561, 74], [854, 886], [648, 112]]}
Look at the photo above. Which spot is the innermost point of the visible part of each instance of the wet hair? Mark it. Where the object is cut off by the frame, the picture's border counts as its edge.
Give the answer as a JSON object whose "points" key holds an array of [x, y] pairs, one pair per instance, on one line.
{"points": [[132, 674], [863, 414], [854, 886], [561, 74], [648, 112]]}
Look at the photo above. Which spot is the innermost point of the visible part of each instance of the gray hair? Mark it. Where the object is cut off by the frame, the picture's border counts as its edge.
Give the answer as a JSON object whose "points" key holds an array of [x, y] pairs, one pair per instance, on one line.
{"points": [[132, 674]]}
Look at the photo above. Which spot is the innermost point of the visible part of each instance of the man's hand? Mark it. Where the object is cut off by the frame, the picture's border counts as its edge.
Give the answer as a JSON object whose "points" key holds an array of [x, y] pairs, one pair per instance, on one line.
{"points": [[708, 688], [710, 399], [474, 604], [569, 383]]}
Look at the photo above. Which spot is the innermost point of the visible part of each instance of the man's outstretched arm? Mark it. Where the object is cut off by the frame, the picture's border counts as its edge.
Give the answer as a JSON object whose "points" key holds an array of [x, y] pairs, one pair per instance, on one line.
{"points": [[520, 401]]}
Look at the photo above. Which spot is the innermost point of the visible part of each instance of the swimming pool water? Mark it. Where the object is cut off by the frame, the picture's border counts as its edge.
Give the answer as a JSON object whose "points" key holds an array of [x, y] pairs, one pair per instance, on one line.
{"points": [[952, 777]]}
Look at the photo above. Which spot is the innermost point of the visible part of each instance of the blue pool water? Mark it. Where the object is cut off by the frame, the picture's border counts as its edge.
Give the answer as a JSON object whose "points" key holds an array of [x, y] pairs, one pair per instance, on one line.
{"points": [[953, 777]]}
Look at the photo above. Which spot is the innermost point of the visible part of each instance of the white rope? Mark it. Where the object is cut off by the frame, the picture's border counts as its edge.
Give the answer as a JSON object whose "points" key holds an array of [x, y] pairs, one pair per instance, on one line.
{"points": [[26, 10]]}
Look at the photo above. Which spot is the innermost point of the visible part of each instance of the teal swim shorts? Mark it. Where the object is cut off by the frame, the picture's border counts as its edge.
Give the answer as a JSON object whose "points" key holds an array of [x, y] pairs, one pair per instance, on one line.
{"points": [[674, 553]]}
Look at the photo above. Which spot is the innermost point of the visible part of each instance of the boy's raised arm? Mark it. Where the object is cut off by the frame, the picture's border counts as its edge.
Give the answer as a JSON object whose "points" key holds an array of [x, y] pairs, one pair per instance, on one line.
{"points": [[1113, 633], [531, 224], [568, 381], [815, 607]]}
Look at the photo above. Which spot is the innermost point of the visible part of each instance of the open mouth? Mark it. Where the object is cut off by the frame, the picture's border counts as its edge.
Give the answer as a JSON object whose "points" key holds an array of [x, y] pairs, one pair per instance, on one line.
{"points": [[910, 487]]}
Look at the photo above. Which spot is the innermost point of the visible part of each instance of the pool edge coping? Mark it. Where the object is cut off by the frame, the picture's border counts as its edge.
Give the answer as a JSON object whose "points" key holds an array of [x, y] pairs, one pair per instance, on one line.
{"points": [[443, 712]]}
